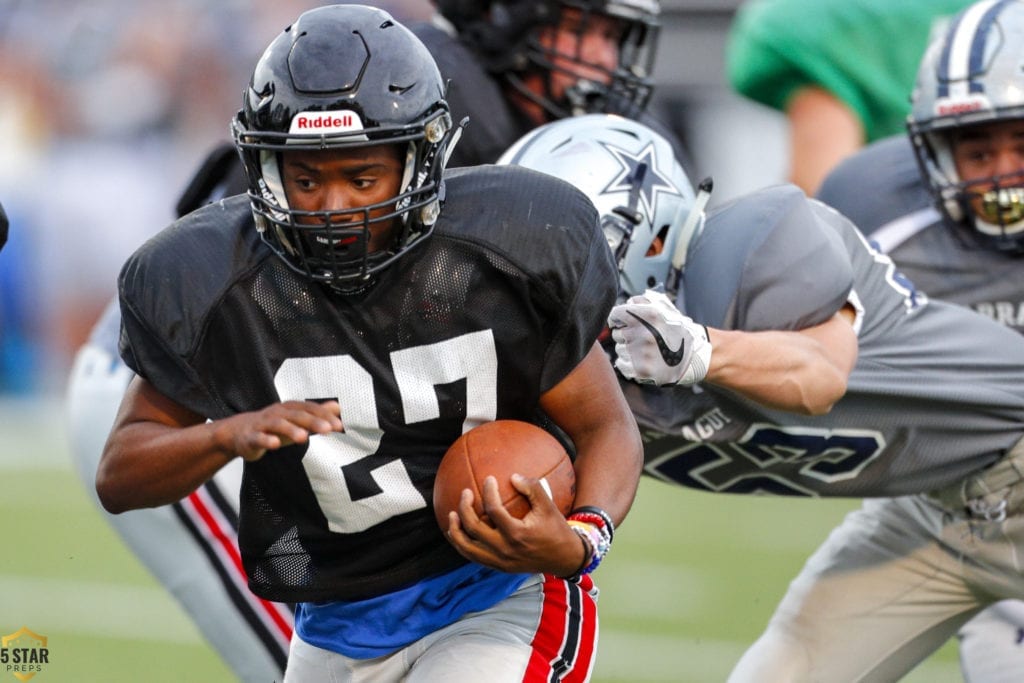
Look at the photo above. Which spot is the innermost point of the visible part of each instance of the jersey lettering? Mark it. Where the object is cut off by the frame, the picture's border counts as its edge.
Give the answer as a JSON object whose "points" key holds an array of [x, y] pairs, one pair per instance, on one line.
{"points": [[765, 460], [355, 487], [705, 426], [1008, 313]]}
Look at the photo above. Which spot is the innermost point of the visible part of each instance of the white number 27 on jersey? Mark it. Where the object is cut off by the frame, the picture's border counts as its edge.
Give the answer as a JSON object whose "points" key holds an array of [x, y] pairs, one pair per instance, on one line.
{"points": [[417, 371]]}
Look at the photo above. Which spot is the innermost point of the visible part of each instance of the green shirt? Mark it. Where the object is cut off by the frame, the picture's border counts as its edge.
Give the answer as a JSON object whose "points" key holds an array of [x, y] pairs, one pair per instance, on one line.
{"points": [[865, 52]]}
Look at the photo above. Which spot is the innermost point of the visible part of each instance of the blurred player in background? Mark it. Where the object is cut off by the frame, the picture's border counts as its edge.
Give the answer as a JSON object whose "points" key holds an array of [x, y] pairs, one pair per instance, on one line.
{"points": [[840, 70], [806, 365], [517, 64], [947, 203], [338, 329], [250, 634]]}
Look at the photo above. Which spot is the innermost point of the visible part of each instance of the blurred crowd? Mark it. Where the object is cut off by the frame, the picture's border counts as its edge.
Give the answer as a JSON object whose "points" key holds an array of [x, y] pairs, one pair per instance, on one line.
{"points": [[108, 109]]}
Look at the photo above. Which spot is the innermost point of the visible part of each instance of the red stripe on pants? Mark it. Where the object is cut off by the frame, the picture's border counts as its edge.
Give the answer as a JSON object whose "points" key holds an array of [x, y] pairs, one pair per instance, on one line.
{"points": [[228, 543], [563, 647]]}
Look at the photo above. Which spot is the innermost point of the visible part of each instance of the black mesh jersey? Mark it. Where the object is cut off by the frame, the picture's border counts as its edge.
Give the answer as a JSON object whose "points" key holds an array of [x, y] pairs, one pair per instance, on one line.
{"points": [[495, 308]]}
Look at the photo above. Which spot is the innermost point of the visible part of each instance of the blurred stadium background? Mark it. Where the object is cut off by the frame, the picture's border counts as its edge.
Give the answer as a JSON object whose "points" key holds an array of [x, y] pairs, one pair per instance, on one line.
{"points": [[107, 108]]}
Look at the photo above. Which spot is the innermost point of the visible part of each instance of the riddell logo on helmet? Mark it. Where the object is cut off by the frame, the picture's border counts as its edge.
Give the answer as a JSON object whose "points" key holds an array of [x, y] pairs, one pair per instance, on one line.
{"points": [[326, 122], [953, 107]]}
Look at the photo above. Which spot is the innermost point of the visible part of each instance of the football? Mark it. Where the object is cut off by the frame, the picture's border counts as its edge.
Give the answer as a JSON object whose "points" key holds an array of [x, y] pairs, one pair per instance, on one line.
{"points": [[503, 448]]}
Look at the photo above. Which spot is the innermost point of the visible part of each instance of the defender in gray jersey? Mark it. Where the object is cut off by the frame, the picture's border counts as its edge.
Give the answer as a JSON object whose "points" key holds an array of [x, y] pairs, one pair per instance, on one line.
{"points": [[946, 203], [809, 366]]}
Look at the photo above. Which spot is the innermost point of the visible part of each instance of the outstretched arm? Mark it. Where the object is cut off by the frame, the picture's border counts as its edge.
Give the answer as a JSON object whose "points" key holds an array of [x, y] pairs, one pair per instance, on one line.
{"points": [[802, 371], [159, 451]]}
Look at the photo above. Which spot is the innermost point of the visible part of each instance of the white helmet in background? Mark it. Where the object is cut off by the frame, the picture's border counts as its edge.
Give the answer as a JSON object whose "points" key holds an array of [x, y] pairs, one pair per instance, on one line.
{"points": [[632, 176], [973, 74]]}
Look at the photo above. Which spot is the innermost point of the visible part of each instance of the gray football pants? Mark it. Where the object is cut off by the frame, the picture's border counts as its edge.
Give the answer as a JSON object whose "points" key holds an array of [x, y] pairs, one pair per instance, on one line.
{"points": [[895, 580]]}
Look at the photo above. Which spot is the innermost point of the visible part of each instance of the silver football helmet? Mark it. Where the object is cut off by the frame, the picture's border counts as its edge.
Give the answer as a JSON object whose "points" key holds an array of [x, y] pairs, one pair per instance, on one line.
{"points": [[631, 175], [973, 74]]}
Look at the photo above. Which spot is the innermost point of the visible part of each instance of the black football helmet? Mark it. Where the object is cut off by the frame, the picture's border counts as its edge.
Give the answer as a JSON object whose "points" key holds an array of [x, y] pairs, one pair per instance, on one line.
{"points": [[3, 227], [344, 76], [505, 35], [972, 75]]}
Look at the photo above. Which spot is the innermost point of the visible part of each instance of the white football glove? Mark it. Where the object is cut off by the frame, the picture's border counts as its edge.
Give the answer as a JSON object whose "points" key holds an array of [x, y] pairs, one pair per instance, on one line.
{"points": [[656, 344]]}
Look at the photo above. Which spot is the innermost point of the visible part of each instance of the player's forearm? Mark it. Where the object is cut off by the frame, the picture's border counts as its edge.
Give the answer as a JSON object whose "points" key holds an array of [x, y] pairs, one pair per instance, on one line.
{"points": [[148, 464], [783, 370], [608, 466], [590, 407]]}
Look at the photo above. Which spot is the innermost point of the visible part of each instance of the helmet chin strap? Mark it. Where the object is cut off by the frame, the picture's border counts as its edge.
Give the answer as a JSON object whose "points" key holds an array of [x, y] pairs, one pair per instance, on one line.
{"points": [[691, 228], [456, 135], [687, 231]]}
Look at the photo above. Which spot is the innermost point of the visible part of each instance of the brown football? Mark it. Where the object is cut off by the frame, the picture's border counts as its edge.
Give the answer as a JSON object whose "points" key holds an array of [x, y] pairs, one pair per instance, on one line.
{"points": [[503, 448]]}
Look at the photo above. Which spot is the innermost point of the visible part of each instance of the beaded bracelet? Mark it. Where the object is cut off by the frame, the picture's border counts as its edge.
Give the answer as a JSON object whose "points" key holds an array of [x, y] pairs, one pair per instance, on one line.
{"points": [[588, 552], [600, 544], [596, 516], [594, 526]]}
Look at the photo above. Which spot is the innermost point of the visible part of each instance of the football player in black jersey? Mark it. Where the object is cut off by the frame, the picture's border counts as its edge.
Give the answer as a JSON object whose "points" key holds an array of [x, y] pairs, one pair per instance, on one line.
{"points": [[338, 328], [250, 634]]}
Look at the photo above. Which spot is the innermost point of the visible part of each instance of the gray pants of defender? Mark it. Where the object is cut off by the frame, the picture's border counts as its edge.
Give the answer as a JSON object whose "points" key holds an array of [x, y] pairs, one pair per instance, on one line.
{"points": [[895, 580]]}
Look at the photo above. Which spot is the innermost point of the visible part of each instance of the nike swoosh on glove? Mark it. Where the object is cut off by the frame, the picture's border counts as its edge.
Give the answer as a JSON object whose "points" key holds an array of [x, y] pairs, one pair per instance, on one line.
{"points": [[656, 344]]}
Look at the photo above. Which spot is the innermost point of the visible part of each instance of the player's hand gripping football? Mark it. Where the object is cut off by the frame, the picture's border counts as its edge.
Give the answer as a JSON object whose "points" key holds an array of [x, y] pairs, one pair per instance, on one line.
{"points": [[656, 344], [541, 541]]}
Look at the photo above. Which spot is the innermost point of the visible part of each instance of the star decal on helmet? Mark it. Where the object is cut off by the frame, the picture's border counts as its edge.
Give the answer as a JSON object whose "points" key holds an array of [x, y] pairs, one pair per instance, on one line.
{"points": [[651, 182]]}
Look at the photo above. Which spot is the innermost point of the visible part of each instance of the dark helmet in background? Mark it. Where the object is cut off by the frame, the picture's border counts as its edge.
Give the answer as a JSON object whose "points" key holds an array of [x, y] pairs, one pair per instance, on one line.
{"points": [[972, 75], [344, 76], [3, 227], [505, 34]]}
